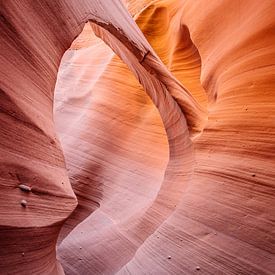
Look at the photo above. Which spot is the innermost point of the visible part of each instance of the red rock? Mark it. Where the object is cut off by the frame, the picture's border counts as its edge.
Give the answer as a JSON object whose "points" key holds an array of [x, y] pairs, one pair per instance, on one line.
{"points": [[165, 143]]}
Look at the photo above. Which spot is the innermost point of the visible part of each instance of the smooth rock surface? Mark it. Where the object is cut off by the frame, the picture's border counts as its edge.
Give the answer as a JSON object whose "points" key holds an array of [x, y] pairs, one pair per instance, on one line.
{"points": [[149, 148]]}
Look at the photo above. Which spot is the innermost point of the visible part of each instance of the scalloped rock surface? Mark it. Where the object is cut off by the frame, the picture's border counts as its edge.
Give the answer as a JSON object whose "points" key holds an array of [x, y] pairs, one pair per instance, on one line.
{"points": [[137, 137]]}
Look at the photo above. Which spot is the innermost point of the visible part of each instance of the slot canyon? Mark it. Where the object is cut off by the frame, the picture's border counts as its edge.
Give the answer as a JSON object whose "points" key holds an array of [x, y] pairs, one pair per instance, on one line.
{"points": [[137, 137]]}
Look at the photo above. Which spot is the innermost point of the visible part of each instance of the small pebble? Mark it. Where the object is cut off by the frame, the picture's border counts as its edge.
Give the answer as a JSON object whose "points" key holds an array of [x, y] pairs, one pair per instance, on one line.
{"points": [[198, 268], [25, 188], [24, 203], [169, 257], [80, 247], [23, 254]]}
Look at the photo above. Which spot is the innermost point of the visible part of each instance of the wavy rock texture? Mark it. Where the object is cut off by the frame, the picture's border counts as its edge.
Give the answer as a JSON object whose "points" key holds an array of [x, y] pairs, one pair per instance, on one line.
{"points": [[167, 134]]}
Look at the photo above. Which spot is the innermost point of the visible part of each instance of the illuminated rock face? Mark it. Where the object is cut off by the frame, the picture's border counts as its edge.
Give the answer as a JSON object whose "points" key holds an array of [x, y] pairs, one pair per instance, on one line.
{"points": [[169, 148]]}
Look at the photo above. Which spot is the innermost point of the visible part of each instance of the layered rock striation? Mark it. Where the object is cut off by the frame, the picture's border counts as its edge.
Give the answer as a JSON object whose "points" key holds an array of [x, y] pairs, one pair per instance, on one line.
{"points": [[148, 149]]}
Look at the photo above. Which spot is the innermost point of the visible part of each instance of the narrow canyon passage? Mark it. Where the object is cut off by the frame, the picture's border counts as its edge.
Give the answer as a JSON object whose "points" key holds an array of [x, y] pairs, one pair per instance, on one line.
{"points": [[137, 137], [116, 151], [119, 164]]}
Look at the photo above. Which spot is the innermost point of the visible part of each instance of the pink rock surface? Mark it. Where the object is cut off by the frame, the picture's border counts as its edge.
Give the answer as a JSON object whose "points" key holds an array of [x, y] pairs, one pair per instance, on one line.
{"points": [[153, 154]]}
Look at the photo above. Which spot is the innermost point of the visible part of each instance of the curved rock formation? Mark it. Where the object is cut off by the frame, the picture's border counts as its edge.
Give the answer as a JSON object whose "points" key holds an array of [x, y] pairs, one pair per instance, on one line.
{"points": [[169, 148]]}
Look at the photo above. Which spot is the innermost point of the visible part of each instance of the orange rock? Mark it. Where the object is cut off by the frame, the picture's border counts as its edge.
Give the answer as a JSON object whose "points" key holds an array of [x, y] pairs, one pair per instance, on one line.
{"points": [[167, 133]]}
